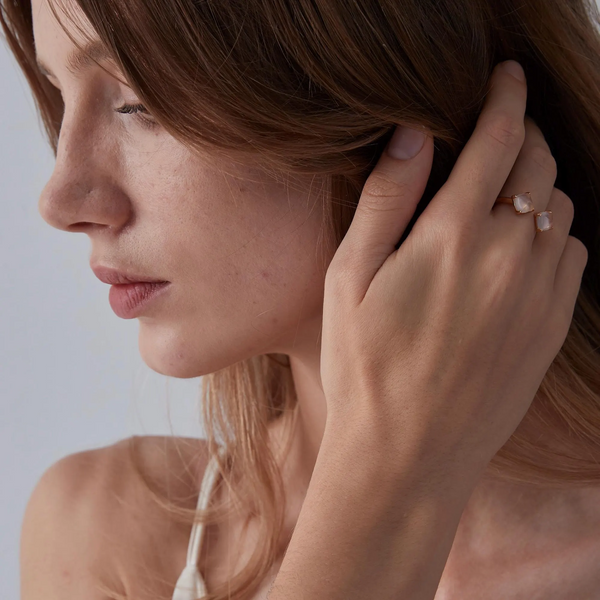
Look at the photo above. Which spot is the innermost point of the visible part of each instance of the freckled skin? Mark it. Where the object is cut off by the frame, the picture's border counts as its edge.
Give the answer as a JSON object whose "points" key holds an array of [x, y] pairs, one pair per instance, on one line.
{"points": [[238, 247], [242, 253]]}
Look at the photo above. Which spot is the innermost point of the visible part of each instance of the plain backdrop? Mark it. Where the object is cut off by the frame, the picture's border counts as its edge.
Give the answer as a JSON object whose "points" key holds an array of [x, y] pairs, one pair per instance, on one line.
{"points": [[71, 377]]}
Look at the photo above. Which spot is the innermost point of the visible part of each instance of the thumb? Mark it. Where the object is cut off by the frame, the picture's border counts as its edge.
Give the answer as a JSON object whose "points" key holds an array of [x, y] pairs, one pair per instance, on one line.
{"points": [[387, 203]]}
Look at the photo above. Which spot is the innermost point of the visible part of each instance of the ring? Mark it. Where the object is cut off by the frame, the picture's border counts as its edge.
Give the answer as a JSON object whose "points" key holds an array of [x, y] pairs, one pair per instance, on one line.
{"points": [[523, 204]]}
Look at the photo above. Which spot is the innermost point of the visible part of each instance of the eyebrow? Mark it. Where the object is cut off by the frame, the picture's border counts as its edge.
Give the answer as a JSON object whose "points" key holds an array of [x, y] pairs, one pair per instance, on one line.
{"points": [[80, 58]]}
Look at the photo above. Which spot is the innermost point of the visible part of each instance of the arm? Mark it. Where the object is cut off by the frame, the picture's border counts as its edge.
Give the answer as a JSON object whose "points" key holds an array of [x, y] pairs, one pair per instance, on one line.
{"points": [[372, 534], [431, 354]]}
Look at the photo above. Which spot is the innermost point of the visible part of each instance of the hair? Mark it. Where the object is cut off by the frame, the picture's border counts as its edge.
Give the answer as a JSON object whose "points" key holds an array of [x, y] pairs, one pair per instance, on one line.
{"points": [[316, 87]]}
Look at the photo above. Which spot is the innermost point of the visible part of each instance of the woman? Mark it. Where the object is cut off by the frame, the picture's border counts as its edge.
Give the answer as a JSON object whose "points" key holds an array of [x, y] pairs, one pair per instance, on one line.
{"points": [[439, 389]]}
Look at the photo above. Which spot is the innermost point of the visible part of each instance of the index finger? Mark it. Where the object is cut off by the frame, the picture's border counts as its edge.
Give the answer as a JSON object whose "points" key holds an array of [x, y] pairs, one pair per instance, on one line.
{"points": [[490, 153]]}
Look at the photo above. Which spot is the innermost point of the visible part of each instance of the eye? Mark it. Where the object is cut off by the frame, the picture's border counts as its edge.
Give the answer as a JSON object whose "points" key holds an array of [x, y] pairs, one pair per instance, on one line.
{"points": [[140, 111]]}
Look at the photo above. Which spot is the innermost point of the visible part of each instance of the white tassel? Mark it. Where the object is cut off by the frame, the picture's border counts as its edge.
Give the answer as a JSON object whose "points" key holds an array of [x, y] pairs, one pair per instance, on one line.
{"points": [[190, 585]]}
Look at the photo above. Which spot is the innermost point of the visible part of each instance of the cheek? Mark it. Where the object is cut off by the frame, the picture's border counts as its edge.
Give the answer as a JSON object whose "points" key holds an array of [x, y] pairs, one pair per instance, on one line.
{"points": [[251, 303], [274, 278], [254, 248], [281, 290], [248, 273]]}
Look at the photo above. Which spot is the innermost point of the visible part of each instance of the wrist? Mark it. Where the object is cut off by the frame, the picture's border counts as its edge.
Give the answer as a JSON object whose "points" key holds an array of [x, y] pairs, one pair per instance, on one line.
{"points": [[362, 529], [395, 462]]}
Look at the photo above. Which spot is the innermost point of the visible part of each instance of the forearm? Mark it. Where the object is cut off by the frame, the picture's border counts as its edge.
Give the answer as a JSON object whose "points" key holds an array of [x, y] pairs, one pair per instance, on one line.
{"points": [[361, 534]]}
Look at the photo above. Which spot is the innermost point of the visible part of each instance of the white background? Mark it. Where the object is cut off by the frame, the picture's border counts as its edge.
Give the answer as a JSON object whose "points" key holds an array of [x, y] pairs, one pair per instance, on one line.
{"points": [[71, 377]]}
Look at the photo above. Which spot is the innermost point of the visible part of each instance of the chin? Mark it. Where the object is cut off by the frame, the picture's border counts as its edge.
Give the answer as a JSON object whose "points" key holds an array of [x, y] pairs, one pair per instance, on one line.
{"points": [[169, 354], [173, 354]]}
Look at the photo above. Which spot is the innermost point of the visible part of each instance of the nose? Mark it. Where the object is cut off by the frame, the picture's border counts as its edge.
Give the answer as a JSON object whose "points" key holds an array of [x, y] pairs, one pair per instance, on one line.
{"points": [[83, 192]]}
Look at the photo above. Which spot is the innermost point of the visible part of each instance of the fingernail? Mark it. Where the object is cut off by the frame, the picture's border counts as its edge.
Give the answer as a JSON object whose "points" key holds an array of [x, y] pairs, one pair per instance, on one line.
{"points": [[405, 143], [514, 68]]}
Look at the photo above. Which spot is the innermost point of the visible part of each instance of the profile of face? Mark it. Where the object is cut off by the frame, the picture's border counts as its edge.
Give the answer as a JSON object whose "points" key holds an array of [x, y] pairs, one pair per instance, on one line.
{"points": [[241, 250]]}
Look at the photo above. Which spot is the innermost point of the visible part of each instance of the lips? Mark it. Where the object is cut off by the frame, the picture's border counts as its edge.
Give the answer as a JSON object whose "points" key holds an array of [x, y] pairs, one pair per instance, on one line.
{"points": [[120, 277]]}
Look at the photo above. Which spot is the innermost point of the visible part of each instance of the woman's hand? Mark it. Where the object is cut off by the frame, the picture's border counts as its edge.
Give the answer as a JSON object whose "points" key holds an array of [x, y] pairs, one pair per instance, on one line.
{"points": [[431, 355], [434, 352]]}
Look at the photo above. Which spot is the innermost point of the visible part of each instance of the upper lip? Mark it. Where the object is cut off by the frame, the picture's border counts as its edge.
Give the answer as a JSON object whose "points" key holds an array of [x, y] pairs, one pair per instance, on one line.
{"points": [[116, 277]]}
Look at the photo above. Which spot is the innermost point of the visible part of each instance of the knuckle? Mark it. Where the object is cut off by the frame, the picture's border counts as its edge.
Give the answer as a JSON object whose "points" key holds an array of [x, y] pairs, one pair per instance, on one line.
{"points": [[455, 245], [339, 275], [542, 157], [570, 209], [460, 229], [380, 190], [579, 249], [453, 222], [566, 204], [505, 130], [458, 245]]}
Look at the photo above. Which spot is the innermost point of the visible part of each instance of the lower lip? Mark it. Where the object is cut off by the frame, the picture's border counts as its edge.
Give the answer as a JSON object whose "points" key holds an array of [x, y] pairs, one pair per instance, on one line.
{"points": [[130, 299]]}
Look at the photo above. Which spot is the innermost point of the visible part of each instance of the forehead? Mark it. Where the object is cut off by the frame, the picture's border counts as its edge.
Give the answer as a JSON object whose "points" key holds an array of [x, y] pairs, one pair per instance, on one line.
{"points": [[49, 33], [53, 44]]}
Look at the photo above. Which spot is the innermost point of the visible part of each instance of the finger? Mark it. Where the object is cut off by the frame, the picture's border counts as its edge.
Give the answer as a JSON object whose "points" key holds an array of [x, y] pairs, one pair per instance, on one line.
{"points": [[549, 246], [534, 171], [488, 157], [386, 206], [568, 276]]}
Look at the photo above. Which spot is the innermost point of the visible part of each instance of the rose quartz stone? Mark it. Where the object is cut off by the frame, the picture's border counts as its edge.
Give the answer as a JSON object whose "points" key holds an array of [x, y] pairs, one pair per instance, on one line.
{"points": [[523, 203], [544, 220]]}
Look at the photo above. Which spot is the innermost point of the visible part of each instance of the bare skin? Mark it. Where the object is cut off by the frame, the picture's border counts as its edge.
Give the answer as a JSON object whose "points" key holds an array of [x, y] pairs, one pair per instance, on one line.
{"points": [[243, 283], [512, 541]]}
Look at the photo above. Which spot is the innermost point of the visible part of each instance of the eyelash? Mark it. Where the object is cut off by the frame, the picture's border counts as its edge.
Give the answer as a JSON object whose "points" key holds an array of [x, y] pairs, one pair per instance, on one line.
{"points": [[138, 110]]}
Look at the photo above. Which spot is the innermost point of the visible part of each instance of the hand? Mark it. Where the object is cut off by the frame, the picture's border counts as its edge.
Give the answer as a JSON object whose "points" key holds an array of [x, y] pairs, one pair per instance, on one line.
{"points": [[436, 350]]}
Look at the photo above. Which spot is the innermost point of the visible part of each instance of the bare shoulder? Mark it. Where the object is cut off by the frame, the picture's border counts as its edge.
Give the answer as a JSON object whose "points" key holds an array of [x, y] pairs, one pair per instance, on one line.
{"points": [[171, 466], [92, 514]]}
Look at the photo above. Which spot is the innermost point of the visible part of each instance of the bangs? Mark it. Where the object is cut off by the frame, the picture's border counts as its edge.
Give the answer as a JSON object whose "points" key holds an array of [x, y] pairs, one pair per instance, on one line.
{"points": [[227, 82]]}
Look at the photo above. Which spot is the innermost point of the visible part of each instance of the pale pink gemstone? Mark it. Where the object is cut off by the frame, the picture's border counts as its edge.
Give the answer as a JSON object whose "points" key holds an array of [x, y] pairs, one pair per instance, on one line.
{"points": [[523, 203], [544, 221]]}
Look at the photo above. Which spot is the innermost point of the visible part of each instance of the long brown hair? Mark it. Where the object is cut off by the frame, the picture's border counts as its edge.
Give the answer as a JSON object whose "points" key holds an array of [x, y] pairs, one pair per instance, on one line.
{"points": [[316, 87]]}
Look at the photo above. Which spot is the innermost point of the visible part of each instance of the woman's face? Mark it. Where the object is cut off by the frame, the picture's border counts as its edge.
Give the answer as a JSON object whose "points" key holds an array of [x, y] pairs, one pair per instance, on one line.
{"points": [[241, 251]]}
